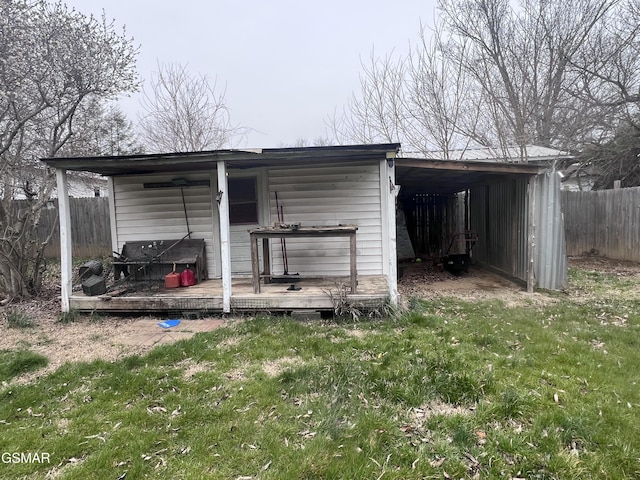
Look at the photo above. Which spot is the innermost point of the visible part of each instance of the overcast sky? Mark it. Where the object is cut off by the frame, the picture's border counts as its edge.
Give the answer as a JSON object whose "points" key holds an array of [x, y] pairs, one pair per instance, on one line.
{"points": [[287, 64]]}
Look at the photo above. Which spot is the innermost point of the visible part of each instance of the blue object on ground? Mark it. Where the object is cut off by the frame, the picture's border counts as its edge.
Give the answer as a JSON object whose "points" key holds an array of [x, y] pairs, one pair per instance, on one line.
{"points": [[169, 323]]}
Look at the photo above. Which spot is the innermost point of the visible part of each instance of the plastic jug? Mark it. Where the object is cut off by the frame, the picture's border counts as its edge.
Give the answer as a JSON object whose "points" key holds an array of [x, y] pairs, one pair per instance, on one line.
{"points": [[172, 280], [188, 277]]}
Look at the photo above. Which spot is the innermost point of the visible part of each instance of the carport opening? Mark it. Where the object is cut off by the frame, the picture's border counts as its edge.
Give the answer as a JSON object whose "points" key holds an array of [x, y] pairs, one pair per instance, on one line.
{"points": [[441, 200]]}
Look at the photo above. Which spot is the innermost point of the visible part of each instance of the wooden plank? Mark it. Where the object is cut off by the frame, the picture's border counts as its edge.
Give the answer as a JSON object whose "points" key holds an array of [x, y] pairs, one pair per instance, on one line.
{"points": [[255, 267], [146, 304], [303, 231], [469, 166], [207, 296], [266, 260]]}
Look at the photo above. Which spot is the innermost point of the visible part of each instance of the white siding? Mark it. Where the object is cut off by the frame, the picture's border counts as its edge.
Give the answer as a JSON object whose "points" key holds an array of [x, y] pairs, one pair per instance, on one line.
{"points": [[158, 213], [329, 195]]}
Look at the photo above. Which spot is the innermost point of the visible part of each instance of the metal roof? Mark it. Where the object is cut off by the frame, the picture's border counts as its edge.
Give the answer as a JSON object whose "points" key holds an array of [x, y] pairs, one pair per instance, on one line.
{"points": [[248, 158], [419, 174]]}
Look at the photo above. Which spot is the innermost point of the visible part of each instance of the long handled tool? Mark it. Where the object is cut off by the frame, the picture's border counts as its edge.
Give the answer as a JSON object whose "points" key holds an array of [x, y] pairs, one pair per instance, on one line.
{"points": [[182, 182], [283, 242]]}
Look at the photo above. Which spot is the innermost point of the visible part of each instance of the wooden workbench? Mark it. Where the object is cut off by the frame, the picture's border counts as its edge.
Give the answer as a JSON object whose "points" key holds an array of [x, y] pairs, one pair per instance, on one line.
{"points": [[265, 233]]}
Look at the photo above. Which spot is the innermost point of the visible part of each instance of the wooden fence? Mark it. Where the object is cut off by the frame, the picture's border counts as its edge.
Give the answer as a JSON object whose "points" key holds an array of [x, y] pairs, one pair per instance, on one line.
{"points": [[606, 222], [90, 227]]}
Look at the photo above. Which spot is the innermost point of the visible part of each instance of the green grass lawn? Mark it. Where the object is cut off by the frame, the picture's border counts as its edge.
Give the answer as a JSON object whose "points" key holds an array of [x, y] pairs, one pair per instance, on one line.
{"points": [[449, 389]]}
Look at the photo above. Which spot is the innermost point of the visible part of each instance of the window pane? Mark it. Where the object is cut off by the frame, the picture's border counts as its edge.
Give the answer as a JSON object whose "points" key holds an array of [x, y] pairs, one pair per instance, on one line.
{"points": [[243, 213], [243, 201], [242, 190]]}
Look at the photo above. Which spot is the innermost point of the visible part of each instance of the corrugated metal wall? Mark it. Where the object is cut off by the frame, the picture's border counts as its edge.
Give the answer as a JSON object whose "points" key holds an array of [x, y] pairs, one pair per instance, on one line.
{"points": [[550, 263], [498, 214], [158, 213], [329, 195]]}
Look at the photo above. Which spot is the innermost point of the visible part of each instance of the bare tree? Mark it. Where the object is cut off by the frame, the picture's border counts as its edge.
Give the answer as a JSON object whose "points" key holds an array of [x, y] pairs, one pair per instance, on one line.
{"points": [[374, 114], [52, 60], [522, 59], [608, 81], [499, 73], [441, 103], [184, 113], [425, 101], [101, 129], [303, 142]]}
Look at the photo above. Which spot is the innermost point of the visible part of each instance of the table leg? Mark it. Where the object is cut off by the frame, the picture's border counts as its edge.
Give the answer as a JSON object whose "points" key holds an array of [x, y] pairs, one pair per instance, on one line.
{"points": [[266, 260], [255, 267], [352, 255]]}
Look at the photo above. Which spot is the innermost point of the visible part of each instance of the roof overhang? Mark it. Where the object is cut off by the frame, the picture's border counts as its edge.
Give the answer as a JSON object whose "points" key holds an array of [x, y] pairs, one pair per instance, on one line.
{"points": [[452, 176], [239, 159]]}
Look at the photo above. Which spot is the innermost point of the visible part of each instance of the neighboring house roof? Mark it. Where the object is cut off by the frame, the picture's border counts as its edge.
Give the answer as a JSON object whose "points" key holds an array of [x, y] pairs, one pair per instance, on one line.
{"points": [[185, 161], [578, 177], [80, 184], [84, 186], [496, 154]]}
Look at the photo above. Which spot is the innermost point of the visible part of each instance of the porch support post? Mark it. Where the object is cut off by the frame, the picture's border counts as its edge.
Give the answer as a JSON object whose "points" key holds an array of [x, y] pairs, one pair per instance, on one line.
{"points": [[388, 193], [64, 213], [225, 237], [112, 215]]}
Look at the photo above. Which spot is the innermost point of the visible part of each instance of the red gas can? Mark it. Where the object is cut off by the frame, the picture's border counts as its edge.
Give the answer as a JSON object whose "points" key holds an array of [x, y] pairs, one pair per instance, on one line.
{"points": [[188, 277], [172, 280]]}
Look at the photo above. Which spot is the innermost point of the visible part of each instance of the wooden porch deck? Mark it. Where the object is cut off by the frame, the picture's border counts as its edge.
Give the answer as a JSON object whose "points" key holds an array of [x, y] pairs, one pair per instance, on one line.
{"points": [[314, 294]]}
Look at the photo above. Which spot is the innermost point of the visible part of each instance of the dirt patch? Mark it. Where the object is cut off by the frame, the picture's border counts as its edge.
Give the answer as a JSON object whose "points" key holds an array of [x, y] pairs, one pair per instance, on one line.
{"points": [[274, 368], [89, 337], [621, 268], [436, 408], [106, 338], [192, 368], [426, 280]]}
